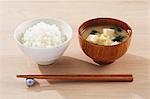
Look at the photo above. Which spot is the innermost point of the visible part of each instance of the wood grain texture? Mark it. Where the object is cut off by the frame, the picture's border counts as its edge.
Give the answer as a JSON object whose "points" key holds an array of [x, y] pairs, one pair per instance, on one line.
{"points": [[83, 77], [104, 55], [136, 61]]}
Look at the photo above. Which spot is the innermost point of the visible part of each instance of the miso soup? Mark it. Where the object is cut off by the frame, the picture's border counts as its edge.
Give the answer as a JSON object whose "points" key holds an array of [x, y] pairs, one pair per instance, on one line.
{"points": [[106, 35]]}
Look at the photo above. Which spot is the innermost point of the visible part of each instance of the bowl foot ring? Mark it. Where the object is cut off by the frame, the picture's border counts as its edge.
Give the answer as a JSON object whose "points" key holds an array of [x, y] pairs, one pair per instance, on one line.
{"points": [[103, 62]]}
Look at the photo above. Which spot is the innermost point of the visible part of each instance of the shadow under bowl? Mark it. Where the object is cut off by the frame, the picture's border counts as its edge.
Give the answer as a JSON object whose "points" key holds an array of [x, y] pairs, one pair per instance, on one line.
{"points": [[100, 54]]}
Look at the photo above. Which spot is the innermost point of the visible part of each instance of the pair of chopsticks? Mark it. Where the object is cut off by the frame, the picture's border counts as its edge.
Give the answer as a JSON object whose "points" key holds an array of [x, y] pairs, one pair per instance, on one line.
{"points": [[83, 77]]}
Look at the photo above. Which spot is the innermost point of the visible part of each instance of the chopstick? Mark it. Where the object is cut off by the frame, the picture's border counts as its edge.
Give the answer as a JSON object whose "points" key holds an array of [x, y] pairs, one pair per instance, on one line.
{"points": [[84, 77]]}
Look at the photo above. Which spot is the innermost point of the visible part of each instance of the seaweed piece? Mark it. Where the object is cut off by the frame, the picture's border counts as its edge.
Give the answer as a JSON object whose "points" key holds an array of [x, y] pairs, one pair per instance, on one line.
{"points": [[112, 28], [117, 28], [119, 38], [94, 32]]}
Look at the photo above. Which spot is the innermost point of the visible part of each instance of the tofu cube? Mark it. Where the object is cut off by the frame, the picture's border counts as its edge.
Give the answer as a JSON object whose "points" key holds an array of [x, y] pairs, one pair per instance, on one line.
{"points": [[108, 31], [92, 38], [115, 43]]}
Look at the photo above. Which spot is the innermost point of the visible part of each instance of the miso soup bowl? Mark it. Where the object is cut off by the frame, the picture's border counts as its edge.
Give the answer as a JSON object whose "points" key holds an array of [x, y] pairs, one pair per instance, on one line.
{"points": [[100, 54], [44, 56]]}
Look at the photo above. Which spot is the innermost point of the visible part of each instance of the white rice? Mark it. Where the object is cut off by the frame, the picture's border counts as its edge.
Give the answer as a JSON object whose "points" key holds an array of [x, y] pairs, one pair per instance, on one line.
{"points": [[43, 35]]}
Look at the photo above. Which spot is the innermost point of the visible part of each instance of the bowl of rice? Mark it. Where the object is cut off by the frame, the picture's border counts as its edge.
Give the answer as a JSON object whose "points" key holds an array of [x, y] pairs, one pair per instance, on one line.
{"points": [[44, 40]]}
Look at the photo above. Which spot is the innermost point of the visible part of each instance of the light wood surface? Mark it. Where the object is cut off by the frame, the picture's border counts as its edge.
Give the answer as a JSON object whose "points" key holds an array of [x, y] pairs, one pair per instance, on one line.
{"points": [[136, 61]]}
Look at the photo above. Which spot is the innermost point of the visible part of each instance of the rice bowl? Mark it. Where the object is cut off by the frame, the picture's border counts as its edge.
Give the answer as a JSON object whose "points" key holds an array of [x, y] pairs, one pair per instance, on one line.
{"points": [[43, 54]]}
